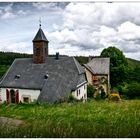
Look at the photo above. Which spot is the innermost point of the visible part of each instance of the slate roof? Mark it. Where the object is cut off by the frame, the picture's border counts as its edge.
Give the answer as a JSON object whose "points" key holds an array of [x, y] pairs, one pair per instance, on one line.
{"points": [[99, 65], [40, 36], [64, 75]]}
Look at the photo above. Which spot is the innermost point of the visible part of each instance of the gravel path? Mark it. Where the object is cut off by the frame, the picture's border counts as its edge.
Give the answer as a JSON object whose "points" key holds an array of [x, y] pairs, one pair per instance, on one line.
{"points": [[10, 122]]}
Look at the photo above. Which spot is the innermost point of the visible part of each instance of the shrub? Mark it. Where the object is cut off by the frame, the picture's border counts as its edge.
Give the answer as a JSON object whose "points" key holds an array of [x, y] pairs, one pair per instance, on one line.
{"points": [[98, 96], [133, 90], [71, 98], [114, 97], [90, 90]]}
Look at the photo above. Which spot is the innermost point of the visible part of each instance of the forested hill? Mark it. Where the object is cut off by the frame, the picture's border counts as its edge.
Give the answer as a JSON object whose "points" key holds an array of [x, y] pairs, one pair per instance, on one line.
{"points": [[7, 58], [133, 63]]}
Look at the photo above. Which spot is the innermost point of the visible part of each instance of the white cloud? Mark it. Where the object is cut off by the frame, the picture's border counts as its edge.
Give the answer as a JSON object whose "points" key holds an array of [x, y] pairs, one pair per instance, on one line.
{"points": [[8, 12], [94, 26], [129, 30], [83, 28]]}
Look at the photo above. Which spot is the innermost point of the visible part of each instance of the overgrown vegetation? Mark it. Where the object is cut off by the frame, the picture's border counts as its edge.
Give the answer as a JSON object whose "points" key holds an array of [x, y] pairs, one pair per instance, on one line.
{"points": [[89, 119], [114, 97], [124, 73], [90, 91]]}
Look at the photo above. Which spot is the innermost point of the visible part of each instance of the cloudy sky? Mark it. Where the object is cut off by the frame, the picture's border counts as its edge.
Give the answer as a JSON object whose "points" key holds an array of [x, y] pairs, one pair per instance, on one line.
{"points": [[72, 28]]}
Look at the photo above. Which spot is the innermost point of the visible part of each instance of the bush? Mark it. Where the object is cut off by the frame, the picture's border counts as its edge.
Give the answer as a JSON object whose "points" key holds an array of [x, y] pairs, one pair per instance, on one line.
{"points": [[98, 96], [114, 97], [71, 98], [90, 90], [133, 90]]}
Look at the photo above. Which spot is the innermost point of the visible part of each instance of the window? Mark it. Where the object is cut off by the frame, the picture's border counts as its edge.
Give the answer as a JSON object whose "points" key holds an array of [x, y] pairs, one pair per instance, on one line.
{"points": [[26, 99], [12, 95], [84, 86], [85, 96], [37, 51], [17, 76], [77, 93]]}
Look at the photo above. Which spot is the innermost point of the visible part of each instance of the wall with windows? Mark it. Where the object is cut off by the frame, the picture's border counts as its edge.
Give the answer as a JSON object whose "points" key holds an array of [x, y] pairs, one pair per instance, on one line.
{"points": [[80, 92], [25, 95]]}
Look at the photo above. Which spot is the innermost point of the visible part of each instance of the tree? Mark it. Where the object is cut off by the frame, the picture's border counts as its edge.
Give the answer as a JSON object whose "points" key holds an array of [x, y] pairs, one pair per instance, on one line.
{"points": [[90, 91], [118, 65]]}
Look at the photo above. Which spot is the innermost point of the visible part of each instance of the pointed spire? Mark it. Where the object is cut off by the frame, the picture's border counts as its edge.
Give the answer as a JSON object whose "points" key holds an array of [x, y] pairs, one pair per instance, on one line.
{"points": [[40, 36]]}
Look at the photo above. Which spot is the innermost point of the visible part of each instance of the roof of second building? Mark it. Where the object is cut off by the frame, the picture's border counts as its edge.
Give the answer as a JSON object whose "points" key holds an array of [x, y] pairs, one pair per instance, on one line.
{"points": [[99, 65]]}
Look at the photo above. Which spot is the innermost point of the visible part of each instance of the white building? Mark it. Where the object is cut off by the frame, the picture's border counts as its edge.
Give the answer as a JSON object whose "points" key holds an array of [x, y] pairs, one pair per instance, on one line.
{"points": [[43, 78]]}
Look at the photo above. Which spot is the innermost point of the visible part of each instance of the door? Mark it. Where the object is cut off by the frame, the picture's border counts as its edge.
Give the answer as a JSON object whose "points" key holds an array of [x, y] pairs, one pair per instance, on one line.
{"points": [[12, 95]]}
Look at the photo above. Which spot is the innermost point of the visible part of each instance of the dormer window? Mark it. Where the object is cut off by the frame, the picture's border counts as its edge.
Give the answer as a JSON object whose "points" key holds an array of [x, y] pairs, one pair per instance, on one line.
{"points": [[17, 76], [46, 76]]}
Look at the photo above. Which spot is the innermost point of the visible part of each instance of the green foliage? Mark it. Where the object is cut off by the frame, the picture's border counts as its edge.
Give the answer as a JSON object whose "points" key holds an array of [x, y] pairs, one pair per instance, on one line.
{"points": [[116, 56], [7, 58], [90, 119], [118, 65], [133, 63], [90, 90], [71, 98], [132, 90], [133, 74], [3, 69], [98, 96], [103, 95], [82, 59]]}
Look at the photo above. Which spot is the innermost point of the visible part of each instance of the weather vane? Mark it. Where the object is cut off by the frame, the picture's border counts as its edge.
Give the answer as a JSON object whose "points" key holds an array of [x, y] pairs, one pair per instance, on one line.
{"points": [[40, 22]]}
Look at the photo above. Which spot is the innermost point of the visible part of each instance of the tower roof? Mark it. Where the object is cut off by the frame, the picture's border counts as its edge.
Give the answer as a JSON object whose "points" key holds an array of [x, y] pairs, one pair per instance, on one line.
{"points": [[40, 36]]}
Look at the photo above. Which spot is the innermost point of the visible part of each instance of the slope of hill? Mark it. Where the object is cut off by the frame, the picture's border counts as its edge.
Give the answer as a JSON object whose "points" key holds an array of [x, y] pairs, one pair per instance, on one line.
{"points": [[133, 63], [6, 59]]}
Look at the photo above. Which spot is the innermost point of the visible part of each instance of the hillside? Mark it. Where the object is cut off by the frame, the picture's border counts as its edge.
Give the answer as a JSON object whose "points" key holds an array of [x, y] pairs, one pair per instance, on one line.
{"points": [[133, 63], [6, 59]]}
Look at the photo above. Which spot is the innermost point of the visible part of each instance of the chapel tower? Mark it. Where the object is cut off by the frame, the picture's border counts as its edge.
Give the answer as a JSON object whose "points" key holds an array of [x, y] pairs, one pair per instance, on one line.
{"points": [[40, 47]]}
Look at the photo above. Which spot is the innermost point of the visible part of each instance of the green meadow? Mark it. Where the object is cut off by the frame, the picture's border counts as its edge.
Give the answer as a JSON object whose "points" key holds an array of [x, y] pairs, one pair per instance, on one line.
{"points": [[94, 119]]}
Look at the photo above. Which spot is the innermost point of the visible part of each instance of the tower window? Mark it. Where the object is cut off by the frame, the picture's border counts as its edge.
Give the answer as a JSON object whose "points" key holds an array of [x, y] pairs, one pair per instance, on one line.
{"points": [[37, 51]]}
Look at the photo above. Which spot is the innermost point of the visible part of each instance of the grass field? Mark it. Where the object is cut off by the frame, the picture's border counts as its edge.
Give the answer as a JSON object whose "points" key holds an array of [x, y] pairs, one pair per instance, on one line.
{"points": [[90, 119]]}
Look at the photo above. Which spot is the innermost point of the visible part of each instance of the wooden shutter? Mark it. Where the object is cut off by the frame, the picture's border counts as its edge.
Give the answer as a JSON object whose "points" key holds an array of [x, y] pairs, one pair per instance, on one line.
{"points": [[7, 96], [17, 97]]}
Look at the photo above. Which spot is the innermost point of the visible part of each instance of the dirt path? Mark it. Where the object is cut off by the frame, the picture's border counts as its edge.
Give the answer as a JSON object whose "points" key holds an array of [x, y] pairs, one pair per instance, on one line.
{"points": [[10, 122]]}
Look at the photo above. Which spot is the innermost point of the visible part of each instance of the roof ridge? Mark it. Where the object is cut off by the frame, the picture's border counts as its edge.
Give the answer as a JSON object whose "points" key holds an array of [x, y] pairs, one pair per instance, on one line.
{"points": [[89, 68], [7, 72], [75, 61]]}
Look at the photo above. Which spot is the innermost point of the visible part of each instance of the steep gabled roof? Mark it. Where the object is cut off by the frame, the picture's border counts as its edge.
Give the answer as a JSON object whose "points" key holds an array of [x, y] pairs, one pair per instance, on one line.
{"points": [[62, 77], [99, 65], [40, 36]]}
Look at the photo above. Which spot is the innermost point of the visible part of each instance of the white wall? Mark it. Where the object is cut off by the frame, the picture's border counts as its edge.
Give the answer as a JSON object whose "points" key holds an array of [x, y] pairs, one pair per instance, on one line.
{"points": [[83, 91], [32, 94]]}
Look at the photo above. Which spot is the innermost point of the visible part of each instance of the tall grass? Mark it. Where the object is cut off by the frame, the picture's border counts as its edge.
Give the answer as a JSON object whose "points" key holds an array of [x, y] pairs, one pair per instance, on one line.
{"points": [[90, 119]]}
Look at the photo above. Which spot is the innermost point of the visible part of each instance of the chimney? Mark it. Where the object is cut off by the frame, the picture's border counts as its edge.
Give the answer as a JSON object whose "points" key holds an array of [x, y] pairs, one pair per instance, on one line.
{"points": [[89, 58], [57, 56]]}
